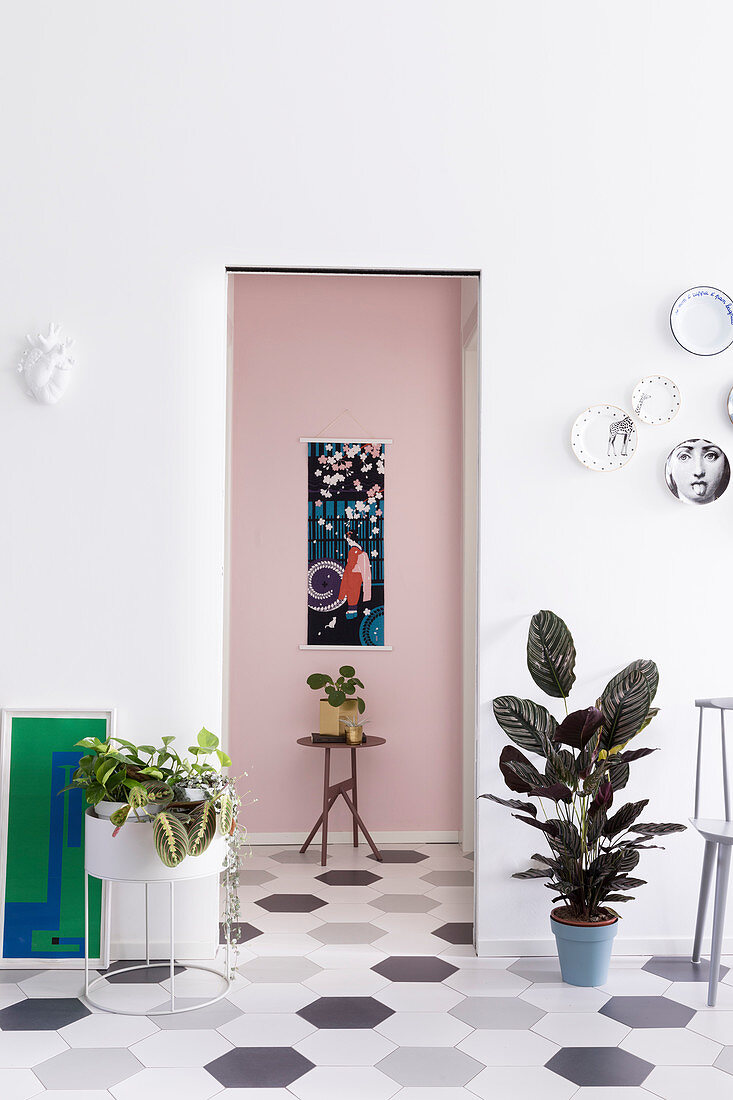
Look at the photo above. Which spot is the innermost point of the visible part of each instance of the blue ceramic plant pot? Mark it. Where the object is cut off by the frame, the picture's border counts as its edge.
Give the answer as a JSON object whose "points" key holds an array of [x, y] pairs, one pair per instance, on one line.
{"points": [[584, 950]]}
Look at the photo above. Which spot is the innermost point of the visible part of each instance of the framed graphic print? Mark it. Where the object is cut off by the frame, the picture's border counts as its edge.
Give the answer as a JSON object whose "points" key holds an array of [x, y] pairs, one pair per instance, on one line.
{"points": [[42, 841]]}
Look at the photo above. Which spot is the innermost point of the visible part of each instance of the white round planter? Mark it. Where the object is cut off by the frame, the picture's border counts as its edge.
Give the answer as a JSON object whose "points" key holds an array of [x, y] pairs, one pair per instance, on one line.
{"points": [[106, 809], [131, 856]]}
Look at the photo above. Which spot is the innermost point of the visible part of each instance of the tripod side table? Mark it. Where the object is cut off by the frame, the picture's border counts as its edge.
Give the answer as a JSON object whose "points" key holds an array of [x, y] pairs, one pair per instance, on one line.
{"points": [[332, 791]]}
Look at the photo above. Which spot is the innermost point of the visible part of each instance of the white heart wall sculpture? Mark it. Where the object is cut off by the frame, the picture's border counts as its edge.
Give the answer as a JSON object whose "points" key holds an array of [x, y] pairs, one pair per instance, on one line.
{"points": [[46, 365]]}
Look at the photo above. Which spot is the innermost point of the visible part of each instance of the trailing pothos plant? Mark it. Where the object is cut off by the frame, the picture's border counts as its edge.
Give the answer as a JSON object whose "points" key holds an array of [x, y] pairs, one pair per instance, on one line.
{"points": [[585, 763]]}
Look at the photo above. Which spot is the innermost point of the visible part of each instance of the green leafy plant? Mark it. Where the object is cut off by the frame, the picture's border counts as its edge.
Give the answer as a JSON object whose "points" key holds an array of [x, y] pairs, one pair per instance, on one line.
{"points": [[338, 691], [584, 764]]}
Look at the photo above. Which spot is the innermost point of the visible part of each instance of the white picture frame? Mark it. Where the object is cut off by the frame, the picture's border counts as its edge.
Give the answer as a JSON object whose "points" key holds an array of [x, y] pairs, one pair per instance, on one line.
{"points": [[7, 717]]}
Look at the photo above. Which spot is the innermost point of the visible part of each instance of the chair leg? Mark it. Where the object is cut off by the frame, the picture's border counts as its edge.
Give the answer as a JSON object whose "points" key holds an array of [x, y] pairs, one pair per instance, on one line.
{"points": [[721, 894], [702, 906]]}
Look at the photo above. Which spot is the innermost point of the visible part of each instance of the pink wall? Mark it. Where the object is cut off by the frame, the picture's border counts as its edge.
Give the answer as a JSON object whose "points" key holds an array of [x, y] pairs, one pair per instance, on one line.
{"points": [[388, 348]]}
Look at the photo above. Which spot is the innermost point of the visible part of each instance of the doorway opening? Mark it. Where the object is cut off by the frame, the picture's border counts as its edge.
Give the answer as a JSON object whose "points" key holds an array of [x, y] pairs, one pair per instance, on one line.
{"points": [[322, 362]]}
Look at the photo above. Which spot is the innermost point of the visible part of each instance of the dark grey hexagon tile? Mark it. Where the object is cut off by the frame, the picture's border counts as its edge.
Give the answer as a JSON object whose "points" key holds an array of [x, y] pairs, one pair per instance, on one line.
{"points": [[246, 932], [414, 968], [348, 878], [537, 970], [259, 1067], [430, 1067], [458, 932], [210, 1016], [449, 878], [600, 1066], [404, 903], [344, 1013], [159, 970], [648, 1012], [399, 856], [42, 1014], [348, 932], [680, 969], [291, 903], [87, 1068], [294, 856], [500, 1013]]}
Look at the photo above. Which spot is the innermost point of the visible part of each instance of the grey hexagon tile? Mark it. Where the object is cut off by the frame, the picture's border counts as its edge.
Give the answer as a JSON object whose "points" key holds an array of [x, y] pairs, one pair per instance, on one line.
{"points": [[15, 977], [158, 971], [724, 1060], [497, 1012], [424, 1029], [681, 969], [415, 968], [399, 855], [283, 969], [345, 1013], [537, 971], [256, 877], [192, 1049], [404, 903], [354, 1047], [449, 878], [102, 1029], [181, 1084], [259, 1067], [456, 933], [648, 1011], [25, 1049], [667, 1046], [313, 856], [19, 1084], [348, 878], [290, 903], [132, 998], [87, 1068], [196, 1019], [42, 1014], [243, 930], [352, 932], [600, 1066], [430, 1066]]}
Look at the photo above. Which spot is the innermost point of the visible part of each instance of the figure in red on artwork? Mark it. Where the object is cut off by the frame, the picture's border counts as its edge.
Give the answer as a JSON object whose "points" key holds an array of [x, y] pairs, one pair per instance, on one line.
{"points": [[357, 576]]}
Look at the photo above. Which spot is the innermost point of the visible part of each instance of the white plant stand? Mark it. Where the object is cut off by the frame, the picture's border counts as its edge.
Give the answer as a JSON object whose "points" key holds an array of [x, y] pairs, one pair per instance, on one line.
{"points": [[131, 857]]}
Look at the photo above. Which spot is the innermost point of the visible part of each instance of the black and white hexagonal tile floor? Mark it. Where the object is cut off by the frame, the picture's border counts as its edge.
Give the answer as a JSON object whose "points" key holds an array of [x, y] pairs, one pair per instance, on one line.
{"points": [[360, 981]]}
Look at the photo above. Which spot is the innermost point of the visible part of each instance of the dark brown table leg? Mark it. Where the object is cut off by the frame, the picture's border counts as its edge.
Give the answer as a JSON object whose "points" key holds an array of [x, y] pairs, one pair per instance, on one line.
{"points": [[316, 827], [356, 802], [362, 826], [326, 804]]}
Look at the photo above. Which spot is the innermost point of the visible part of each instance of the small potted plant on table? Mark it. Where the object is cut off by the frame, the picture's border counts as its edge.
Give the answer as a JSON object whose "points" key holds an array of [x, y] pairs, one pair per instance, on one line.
{"points": [[585, 763], [341, 700]]}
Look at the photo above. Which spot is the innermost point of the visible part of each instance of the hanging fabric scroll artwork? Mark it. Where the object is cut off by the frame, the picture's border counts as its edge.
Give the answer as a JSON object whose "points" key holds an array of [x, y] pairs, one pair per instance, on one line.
{"points": [[345, 543]]}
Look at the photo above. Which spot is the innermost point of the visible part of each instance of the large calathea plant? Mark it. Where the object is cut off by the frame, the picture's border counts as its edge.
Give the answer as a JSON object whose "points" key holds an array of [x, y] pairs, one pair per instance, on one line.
{"points": [[584, 765]]}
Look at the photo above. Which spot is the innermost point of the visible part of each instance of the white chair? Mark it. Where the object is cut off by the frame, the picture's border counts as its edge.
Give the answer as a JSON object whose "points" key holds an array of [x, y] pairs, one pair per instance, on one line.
{"points": [[718, 837]]}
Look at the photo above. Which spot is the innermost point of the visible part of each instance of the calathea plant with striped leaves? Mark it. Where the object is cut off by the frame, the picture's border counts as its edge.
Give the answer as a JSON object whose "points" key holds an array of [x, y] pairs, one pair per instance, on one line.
{"points": [[581, 765]]}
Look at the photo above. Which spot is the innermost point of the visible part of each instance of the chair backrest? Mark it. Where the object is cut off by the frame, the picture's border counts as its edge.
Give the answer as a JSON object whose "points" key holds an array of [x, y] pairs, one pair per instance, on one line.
{"points": [[721, 706]]}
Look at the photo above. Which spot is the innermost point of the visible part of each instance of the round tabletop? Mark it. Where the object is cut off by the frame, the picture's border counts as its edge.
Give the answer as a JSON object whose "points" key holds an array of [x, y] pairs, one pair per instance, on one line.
{"points": [[367, 743]]}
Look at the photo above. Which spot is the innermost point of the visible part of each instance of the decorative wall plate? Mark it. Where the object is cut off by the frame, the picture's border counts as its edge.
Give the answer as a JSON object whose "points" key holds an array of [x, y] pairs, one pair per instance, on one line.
{"points": [[603, 438], [702, 320], [656, 399], [697, 471]]}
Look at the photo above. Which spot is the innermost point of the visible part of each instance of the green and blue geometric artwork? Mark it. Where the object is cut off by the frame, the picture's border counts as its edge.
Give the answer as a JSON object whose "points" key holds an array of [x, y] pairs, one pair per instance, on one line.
{"points": [[42, 913]]}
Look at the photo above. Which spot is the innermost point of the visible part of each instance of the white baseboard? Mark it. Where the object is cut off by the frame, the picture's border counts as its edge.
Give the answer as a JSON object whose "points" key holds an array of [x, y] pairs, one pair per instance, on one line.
{"points": [[409, 836], [651, 945]]}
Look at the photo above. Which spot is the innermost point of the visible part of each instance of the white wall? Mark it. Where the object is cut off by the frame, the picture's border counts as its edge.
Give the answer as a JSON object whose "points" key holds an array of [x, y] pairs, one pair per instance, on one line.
{"points": [[577, 153]]}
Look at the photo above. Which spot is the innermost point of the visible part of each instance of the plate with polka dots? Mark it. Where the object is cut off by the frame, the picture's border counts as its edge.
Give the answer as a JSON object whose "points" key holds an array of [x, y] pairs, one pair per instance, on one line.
{"points": [[603, 438], [655, 400]]}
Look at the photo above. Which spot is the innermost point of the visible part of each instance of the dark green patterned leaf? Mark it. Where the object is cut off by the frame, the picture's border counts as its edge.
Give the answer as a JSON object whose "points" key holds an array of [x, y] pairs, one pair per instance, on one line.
{"points": [[556, 792], [527, 724], [655, 829], [551, 654], [533, 872], [624, 817], [513, 804], [645, 668], [624, 705], [618, 773], [565, 838]]}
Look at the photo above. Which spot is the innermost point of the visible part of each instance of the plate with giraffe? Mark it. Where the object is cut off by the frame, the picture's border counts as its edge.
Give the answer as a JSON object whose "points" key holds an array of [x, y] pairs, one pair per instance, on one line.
{"points": [[655, 400], [603, 438]]}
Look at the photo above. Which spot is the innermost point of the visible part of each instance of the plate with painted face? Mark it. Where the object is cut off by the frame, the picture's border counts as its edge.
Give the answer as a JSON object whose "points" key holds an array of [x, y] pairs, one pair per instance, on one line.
{"points": [[702, 320], [603, 438], [697, 471], [655, 400]]}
